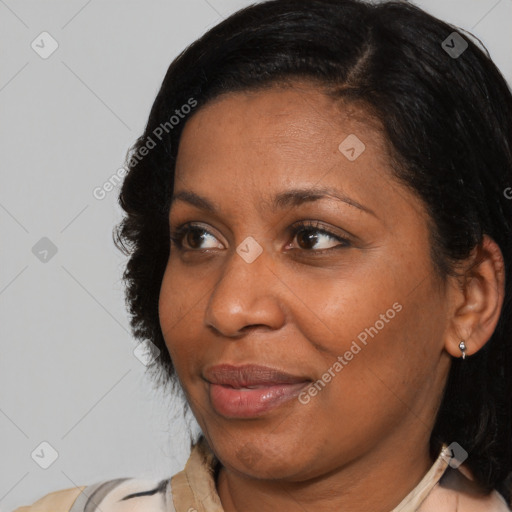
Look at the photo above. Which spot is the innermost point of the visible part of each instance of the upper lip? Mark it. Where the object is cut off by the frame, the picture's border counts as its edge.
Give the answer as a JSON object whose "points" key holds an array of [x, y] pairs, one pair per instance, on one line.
{"points": [[249, 375]]}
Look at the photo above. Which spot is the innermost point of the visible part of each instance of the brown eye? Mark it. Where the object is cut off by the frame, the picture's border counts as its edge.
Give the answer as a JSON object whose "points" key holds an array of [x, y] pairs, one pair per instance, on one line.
{"points": [[306, 239], [194, 238], [311, 237], [191, 237]]}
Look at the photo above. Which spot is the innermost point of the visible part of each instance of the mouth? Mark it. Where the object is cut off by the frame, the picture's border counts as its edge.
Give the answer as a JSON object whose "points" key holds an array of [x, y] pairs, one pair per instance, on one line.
{"points": [[250, 390]]}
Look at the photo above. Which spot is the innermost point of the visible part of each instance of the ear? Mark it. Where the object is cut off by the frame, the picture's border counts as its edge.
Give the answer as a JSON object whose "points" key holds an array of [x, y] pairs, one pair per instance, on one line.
{"points": [[476, 299]]}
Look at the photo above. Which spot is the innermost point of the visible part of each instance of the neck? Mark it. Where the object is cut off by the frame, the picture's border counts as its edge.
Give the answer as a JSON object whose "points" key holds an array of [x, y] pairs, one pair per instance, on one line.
{"points": [[377, 481]]}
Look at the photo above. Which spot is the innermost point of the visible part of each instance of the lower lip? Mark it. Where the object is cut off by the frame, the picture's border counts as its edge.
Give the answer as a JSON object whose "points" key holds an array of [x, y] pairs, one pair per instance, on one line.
{"points": [[246, 403]]}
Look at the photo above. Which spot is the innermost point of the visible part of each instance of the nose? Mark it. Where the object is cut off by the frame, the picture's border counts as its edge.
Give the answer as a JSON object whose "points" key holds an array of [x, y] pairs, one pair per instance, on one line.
{"points": [[247, 295]]}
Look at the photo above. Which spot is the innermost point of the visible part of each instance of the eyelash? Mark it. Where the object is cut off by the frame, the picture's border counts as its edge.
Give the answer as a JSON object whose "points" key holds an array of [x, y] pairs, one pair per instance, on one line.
{"points": [[179, 234]]}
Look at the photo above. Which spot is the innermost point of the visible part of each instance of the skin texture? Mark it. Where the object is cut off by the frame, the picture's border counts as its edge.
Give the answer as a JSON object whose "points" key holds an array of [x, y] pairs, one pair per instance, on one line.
{"points": [[362, 442]]}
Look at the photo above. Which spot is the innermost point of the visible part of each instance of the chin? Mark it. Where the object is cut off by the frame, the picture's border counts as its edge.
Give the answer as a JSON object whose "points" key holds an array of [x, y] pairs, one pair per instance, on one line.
{"points": [[258, 457]]}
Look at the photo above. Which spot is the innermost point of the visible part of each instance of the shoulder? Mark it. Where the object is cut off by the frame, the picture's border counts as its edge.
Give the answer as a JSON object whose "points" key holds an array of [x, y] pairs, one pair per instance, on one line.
{"points": [[456, 490], [58, 500], [447, 500], [119, 495]]}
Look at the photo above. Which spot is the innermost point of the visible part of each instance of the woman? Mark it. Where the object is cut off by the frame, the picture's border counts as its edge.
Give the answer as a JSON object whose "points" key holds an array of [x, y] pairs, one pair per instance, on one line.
{"points": [[320, 245]]}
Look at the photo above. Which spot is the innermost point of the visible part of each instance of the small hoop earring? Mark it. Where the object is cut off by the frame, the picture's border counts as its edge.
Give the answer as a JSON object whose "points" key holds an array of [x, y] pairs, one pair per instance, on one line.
{"points": [[462, 346]]}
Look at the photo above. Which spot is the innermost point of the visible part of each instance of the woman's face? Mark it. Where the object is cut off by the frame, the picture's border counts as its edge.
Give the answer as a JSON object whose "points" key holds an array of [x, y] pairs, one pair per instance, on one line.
{"points": [[304, 256]]}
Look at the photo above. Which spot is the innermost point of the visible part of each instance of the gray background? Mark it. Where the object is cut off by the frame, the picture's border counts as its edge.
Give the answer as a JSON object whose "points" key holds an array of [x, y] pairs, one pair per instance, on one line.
{"points": [[68, 374]]}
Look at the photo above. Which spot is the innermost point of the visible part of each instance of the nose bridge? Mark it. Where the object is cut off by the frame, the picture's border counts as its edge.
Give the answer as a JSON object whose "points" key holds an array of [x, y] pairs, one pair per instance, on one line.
{"points": [[245, 293]]}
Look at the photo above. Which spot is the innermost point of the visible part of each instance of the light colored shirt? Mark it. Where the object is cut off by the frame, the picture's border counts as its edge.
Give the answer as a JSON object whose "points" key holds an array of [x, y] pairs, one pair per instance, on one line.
{"points": [[442, 489]]}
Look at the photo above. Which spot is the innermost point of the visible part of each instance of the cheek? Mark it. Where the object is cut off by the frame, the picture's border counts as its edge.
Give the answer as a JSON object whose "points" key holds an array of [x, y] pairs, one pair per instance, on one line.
{"points": [[357, 304], [387, 325], [397, 351], [179, 314], [377, 384]]}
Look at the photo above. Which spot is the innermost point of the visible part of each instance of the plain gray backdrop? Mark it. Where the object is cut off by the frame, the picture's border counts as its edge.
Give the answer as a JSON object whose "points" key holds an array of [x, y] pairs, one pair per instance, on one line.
{"points": [[68, 374]]}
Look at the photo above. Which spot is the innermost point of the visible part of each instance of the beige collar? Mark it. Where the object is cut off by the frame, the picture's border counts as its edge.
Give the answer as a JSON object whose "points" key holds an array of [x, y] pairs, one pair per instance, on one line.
{"points": [[416, 497]]}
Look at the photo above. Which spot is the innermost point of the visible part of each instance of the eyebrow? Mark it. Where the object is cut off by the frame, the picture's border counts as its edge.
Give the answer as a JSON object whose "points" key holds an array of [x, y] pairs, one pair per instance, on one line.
{"points": [[290, 198]]}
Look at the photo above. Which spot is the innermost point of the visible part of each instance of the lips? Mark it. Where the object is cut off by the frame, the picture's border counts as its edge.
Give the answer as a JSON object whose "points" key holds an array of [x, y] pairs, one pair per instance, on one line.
{"points": [[249, 376], [250, 390]]}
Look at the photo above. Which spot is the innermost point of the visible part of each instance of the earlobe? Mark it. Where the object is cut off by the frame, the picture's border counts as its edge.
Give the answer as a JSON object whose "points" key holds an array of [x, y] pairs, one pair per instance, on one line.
{"points": [[479, 301]]}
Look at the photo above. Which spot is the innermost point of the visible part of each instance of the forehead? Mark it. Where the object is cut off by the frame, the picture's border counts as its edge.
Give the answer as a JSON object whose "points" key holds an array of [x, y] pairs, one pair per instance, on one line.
{"points": [[244, 149], [294, 128], [280, 115]]}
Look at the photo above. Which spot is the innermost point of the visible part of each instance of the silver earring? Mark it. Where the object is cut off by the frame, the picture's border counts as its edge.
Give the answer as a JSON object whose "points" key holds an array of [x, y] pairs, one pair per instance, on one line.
{"points": [[462, 346]]}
